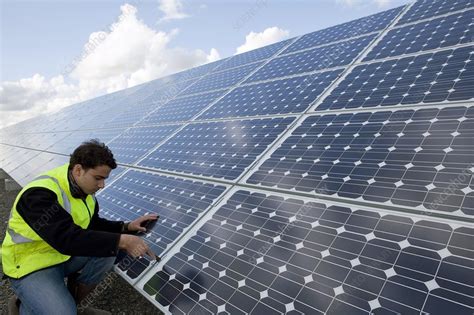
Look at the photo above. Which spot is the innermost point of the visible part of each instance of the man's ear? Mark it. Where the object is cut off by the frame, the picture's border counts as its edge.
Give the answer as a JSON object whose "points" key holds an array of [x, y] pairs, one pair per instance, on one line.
{"points": [[76, 170]]}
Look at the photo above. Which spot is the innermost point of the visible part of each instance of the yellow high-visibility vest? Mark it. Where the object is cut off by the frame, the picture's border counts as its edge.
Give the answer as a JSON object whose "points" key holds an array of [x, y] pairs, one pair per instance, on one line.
{"points": [[24, 251]]}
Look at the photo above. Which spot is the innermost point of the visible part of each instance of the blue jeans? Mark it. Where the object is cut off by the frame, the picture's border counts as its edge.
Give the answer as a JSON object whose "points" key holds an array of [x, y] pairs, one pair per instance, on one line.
{"points": [[45, 292]]}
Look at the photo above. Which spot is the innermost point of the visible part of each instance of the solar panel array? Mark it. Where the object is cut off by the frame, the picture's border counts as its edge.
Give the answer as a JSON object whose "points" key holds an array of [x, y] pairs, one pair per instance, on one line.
{"points": [[328, 173]]}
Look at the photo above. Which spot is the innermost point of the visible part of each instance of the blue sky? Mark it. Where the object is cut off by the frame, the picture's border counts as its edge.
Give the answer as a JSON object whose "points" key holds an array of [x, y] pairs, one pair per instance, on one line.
{"points": [[46, 63]]}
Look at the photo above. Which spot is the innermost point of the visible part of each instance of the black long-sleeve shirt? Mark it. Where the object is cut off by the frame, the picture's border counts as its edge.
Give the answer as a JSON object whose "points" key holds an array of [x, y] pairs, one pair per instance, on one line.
{"points": [[40, 209]]}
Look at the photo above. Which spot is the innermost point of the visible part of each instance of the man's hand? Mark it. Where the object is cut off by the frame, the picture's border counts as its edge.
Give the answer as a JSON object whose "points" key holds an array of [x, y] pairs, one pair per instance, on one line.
{"points": [[135, 246], [138, 225]]}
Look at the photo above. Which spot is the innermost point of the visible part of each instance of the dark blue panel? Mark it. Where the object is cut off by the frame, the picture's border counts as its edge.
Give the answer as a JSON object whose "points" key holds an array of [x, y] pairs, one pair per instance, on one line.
{"points": [[292, 95], [181, 109], [446, 31], [253, 55], [74, 139], [195, 72], [283, 255], [135, 142], [410, 158], [223, 79], [216, 149], [135, 109], [311, 60], [428, 8], [353, 28], [159, 93], [443, 76], [178, 202]]}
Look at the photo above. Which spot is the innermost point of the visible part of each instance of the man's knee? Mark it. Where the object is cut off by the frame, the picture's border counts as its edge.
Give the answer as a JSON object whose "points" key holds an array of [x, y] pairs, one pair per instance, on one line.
{"points": [[95, 269], [64, 306]]}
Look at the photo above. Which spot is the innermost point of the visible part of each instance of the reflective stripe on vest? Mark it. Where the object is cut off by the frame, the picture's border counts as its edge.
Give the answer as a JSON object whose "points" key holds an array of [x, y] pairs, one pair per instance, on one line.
{"points": [[67, 204], [20, 239]]}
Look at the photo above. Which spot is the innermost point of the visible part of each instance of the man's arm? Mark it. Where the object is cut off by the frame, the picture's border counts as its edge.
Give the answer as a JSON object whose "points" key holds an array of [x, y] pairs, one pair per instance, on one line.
{"points": [[41, 210]]}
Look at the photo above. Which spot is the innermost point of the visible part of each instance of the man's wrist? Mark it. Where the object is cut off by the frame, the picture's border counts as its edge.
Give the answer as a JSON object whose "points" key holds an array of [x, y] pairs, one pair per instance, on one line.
{"points": [[125, 227]]}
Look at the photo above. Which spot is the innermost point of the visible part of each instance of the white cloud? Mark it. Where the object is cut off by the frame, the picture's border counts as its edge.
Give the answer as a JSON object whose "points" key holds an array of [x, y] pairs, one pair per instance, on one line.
{"points": [[382, 3], [172, 10], [128, 54], [29, 97], [268, 36], [364, 3]]}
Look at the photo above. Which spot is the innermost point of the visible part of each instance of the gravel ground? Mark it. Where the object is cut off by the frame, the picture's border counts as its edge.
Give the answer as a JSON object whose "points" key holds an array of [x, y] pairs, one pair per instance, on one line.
{"points": [[119, 298]]}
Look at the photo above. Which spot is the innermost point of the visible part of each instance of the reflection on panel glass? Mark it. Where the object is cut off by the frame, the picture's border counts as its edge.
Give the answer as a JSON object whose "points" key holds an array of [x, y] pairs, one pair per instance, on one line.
{"points": [[442, 32], [424, 9], [446, 75], [265, 254], [292, 95], [408, 158], [216, 149], [178, 202]]}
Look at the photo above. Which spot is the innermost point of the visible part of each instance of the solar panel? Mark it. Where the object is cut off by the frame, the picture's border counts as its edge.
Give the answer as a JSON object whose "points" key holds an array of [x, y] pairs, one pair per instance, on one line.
{"points": [[311, 60], [40, 163], [181, 109], [442, 32], [195, 72], [38, 141], [328, 173], [216, 149], [14, 161], [291, 95], [163, 93], [270, 254], [179, 202], [223, 79], [406, 157], [135, 142], [426, 9], [432, 77], [74, 139], [253, 55], [350, 29]]}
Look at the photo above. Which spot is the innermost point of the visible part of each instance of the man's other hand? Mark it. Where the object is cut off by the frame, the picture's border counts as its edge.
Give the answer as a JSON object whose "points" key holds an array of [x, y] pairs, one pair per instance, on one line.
{"points": [[139, 225], [135, 246]]}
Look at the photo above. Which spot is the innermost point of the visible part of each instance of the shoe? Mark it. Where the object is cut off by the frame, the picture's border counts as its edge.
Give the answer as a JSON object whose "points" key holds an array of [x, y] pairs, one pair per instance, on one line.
{"points": [[13, 306], [92, 311]]}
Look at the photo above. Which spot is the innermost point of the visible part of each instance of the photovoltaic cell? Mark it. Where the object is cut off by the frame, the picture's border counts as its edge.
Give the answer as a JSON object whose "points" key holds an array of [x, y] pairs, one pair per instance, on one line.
{"points": [[42, 162], [195, 72], [178, 202], [223, 79], [426, 9], [181, 109], [135, 142], [267, 254], [447, 75], [291, 95], [253, 55], [13, 158], [38, 141], [350, 29], [74, 139], [311, 60], [408, 158], [216, 149], [162, 94], [442, 32]]}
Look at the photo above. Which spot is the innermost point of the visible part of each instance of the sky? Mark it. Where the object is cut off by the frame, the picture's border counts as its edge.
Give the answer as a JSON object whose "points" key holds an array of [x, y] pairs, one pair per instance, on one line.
{"points": [[56, 53]]}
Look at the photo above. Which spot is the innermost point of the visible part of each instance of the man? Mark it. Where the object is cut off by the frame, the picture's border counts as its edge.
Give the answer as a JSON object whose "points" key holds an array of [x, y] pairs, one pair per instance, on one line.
{"points": [[55, 231]]}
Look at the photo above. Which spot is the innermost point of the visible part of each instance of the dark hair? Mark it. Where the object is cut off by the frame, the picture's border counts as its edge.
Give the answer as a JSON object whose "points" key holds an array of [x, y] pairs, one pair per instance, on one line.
{"points": [[91, 154]]}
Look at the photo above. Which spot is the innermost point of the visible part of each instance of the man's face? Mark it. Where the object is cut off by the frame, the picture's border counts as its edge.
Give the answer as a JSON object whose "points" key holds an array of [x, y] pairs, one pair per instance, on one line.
{"points": [[92, 179]]}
